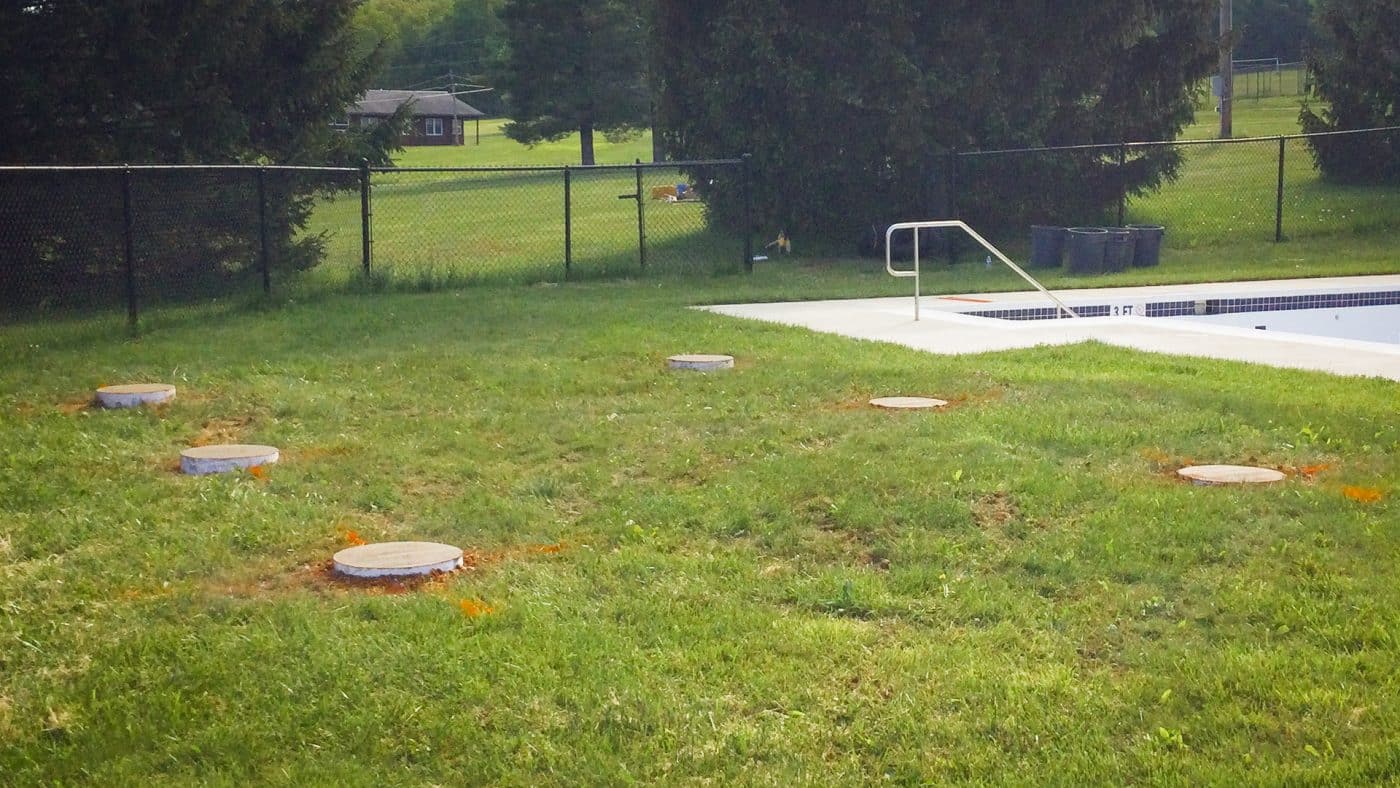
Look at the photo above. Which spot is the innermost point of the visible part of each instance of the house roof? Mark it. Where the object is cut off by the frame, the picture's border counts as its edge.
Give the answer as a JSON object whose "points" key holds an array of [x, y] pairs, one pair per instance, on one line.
{"points": [[384, 103]]}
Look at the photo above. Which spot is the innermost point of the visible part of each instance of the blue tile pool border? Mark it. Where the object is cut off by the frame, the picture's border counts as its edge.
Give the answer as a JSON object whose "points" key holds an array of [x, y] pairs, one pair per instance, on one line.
{"points": [[1213, 306]]}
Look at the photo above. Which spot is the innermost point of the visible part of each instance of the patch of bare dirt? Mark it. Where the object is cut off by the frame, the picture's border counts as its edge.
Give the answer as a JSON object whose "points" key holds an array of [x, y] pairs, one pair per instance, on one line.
{"points": [[219, 431]]}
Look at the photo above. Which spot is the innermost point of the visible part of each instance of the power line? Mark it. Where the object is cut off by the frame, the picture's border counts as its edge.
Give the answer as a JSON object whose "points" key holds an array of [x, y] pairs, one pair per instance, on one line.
{"points": [[480, 40]]}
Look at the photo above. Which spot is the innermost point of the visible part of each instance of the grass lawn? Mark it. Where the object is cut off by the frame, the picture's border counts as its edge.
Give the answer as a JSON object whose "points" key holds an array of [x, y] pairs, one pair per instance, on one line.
{"points": [[746, 577]]}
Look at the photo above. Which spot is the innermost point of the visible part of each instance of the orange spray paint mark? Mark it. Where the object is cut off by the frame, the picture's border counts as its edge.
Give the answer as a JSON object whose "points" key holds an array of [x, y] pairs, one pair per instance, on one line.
{"points": [[475, 608], [1362, 494]]}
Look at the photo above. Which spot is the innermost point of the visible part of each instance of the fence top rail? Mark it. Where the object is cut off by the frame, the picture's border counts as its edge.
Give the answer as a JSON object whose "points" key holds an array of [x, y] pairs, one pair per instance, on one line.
{"points": [[148, 167], [646, 165], [1169, 143]]}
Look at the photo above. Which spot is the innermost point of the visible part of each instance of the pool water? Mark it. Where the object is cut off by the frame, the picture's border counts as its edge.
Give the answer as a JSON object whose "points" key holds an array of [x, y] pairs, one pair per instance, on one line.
{"points": [[1365, 323]]}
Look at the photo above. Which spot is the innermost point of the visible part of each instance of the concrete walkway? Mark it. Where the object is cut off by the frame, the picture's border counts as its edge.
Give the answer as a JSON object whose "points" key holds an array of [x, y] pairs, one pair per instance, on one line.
{"points": [[943, 328]]}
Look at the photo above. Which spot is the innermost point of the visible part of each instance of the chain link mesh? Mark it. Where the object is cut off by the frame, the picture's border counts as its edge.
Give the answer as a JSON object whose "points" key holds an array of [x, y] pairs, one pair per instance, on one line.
{"points": [[61, 239], [1211, 193], [541, 224], [100, 237]]}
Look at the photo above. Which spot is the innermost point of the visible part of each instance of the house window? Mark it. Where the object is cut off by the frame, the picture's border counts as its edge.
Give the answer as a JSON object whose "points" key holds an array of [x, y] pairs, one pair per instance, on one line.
{"points": [[433, 126], [366, 121]]}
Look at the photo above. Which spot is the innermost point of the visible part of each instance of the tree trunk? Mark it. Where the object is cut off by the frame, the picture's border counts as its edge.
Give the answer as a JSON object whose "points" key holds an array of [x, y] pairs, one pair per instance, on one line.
{"points": [[585, 141]]}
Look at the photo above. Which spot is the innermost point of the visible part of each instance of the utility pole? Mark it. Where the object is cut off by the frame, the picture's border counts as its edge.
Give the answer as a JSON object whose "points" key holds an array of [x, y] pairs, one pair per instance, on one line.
{"points": [[1227, 70], [452, 93]]}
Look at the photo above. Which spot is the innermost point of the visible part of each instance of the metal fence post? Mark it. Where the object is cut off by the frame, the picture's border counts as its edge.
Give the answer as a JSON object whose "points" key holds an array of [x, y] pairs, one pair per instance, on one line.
{"points": [[1122, 181], [641, 217], [365, 214], [745, 183], [263, 253], [129, 249], [568, 221], [1278, 205], [951, 202]]}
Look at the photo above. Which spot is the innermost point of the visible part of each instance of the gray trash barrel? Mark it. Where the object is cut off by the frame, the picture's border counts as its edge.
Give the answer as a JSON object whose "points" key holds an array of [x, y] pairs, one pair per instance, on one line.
{"points": [[1118, 251], [1086, 249], [1047, 246], [1147, 246]]}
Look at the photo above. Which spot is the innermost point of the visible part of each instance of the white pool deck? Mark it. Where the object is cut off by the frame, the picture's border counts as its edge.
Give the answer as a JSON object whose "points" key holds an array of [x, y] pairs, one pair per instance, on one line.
{"points": [[942, 329]]}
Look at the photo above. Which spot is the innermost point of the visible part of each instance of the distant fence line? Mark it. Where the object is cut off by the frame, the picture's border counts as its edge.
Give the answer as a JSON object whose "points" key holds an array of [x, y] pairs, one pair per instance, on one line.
{"points": [[1256, 80]]}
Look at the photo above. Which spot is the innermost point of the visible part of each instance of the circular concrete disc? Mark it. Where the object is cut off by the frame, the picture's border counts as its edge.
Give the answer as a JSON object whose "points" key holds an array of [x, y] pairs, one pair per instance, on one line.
{"points": [[134, 395], [908, 403], [703, 362], [397, 559], [225, 457], [1230, 474]]}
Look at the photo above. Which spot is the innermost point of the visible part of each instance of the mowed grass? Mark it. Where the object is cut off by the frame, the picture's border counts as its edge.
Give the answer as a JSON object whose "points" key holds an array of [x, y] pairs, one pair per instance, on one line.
{"points": [[1227, 193], [748, 577], [436, 230], [439, 229]]}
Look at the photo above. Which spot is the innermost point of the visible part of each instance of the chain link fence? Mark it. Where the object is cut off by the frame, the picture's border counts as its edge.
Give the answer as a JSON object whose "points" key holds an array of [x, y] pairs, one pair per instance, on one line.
{"points": [[91, 238], [1255, 80], [74, 238], [529, 224], [1206, 193]]}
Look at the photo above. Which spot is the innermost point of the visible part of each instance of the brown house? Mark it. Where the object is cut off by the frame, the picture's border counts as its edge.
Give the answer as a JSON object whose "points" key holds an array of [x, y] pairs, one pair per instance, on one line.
{"points": [[437, 115]]}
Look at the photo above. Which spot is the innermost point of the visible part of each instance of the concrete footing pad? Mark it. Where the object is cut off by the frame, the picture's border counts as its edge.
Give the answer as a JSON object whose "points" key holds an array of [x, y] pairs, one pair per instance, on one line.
{"points": [[133, 395], [397, 559], [222, 458]]}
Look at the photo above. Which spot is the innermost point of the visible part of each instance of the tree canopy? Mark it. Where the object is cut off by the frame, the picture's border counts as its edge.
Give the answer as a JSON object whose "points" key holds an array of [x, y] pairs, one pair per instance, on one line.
{"points": [[444, 43], [575, 66], [847, 114], [1356, 70], [1272, 28], [173, 81]]}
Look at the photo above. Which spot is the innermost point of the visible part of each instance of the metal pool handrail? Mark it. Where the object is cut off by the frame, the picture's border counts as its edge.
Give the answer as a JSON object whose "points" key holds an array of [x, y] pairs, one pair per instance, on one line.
{"points": [[946, 223]]}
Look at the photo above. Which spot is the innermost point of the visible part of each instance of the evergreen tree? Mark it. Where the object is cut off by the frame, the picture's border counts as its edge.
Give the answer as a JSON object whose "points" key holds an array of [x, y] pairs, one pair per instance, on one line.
{"points": [[1356, 68], [171, 82], [177, 81], [848, 111], [574, 66]]}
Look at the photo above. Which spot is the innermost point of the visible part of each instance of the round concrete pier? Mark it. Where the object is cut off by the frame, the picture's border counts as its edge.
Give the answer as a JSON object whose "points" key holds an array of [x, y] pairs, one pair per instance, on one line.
{"points": [[700, 362], [908, 403], [1230, 474], [225, 457], [134, 395], [397, 559]]}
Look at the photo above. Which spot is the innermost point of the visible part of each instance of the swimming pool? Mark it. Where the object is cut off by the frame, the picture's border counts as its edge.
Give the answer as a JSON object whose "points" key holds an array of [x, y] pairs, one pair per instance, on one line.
{"points": [[1362, 315], [1363, 323], [1214, 320]]}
